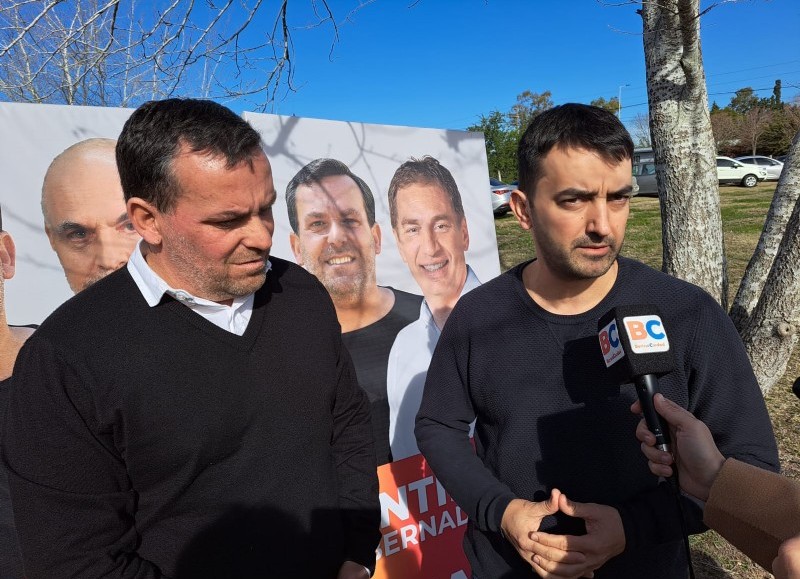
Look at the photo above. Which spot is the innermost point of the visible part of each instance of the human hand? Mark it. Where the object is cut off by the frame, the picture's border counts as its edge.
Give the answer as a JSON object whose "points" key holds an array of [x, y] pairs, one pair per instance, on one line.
{"points": [[521, 520], [787, 564], [352, 570], [604, 539], [696, 455]]}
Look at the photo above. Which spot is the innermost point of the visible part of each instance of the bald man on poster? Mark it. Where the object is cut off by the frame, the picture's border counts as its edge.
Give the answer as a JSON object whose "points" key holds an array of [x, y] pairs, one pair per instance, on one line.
{"points": [[84, 212]]}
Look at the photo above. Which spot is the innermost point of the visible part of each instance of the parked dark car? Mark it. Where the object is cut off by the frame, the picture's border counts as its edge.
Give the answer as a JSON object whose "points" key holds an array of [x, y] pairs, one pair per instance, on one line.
{"points": [[645, 174]]}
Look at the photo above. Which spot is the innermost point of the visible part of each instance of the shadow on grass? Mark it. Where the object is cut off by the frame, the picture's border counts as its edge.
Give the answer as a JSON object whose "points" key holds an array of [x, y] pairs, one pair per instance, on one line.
{"points": [[706, 567]]}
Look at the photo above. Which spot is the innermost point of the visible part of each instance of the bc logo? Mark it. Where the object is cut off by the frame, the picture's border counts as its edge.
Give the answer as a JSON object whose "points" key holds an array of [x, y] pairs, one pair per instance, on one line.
{"points": [[609, 344], [646, 334]]}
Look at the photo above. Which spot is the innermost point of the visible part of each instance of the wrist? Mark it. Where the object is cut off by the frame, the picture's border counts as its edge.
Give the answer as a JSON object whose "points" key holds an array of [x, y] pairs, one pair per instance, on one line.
{"points": [[711, 474]]}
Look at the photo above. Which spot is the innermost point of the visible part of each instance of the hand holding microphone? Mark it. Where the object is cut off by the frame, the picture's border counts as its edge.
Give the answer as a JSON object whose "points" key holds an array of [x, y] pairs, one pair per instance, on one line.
{"points": [[697, 458]]}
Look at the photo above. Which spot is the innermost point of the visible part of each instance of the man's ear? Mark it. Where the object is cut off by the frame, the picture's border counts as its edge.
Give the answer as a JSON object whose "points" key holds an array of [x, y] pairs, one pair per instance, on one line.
{"points": [[145, 219], [297, 250], [376, 237], [8, 255], [465, 233], [521, 209]]}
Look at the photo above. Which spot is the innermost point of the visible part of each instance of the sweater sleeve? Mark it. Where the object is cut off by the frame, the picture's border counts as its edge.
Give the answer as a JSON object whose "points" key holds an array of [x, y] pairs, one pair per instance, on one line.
{"points": [[356, 466], [72, 502], [442, 431], [722, 391], [754, 509]]}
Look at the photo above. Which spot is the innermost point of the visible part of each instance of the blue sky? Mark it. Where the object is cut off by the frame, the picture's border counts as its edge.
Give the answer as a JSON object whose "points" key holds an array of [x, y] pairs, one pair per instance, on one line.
{"points": [[443, 63]]}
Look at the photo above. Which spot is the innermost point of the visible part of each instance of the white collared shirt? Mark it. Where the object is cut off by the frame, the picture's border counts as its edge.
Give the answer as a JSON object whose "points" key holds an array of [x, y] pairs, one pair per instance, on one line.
{"points": [[233, 318], [406, 372]]}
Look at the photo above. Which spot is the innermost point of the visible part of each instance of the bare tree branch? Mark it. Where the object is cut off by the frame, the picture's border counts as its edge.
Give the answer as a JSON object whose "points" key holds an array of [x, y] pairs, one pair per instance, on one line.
{"points": [[120, 52]]}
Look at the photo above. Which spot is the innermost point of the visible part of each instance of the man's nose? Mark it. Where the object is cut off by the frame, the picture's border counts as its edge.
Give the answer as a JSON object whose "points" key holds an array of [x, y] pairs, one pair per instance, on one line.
{"points": [[259, 233], [597, 219], [430, 243], [337, 234], [113, 250]]}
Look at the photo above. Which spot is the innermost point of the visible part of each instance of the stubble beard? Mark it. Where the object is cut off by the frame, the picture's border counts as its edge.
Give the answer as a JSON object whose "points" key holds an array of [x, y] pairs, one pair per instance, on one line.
{"points": [[349, 289], [213, 280], [568, 264], [94, 279]]}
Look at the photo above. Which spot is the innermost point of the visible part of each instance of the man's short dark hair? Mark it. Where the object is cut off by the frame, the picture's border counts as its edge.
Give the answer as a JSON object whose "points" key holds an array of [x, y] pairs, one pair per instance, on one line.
{"points": [[158, 131], [570, 126], [426, 171], [315, 172]]}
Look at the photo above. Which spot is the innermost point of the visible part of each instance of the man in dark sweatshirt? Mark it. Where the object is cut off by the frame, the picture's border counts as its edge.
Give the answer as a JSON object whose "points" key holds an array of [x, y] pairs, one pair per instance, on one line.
{"points": [[193, 414], [554, 482]]}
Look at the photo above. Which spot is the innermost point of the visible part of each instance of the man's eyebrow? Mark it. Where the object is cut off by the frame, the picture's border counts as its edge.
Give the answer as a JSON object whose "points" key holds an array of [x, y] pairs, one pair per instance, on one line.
{"points": [[575, 192], [226, 215], [627, 190], [122, 218], [69, 226], [314, 215]]}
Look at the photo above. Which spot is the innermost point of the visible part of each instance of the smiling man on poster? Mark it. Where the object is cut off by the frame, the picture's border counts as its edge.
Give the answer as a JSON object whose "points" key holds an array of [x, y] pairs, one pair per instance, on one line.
{"points": [[335, 237], [430, 227], [168, 420]]}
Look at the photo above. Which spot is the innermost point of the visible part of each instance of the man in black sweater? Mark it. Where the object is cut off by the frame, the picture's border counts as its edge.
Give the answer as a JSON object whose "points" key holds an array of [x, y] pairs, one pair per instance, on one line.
{"points": [[11, 340], [555, 483], [193, 414], [335, 237]]}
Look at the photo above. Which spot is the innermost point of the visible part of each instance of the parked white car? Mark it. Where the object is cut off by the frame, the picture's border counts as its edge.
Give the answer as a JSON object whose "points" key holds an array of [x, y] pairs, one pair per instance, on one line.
{"points": [[501, 197], [732, 171], [773, 166]]}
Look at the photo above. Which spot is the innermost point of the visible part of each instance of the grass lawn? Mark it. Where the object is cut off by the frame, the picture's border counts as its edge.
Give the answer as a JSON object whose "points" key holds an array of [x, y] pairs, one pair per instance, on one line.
{"points": [[743, 213]]}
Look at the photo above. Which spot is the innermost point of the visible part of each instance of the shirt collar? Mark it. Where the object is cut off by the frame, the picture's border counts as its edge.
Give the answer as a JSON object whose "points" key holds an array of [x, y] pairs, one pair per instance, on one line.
{"points": [[472, 281], [153, 287]]}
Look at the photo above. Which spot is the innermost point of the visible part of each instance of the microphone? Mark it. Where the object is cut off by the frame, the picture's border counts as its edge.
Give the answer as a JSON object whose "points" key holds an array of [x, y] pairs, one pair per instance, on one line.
{"points": [[636, 349]]}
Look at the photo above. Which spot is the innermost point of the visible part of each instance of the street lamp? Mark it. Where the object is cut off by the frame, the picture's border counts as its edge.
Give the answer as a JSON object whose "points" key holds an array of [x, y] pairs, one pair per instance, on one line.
{"points": [[619, 99]]}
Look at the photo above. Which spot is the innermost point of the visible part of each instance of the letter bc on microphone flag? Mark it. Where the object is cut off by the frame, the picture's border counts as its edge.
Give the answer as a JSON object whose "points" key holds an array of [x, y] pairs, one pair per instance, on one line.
{"points": [[636, 349], [634, 342]]}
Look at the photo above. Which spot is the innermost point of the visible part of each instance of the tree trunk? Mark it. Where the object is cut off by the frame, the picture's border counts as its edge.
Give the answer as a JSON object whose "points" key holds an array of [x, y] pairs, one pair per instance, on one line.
{"points": [[784, 200], [771, 332], [683, 143]]}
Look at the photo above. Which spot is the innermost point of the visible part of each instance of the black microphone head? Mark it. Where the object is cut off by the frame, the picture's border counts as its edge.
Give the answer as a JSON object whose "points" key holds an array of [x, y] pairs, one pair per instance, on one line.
{"points": [[634, 342], [796, 387]]}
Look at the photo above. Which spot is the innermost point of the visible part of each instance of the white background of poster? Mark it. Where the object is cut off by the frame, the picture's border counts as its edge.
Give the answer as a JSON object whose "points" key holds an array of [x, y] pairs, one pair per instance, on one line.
{"points": [[31, 135]]}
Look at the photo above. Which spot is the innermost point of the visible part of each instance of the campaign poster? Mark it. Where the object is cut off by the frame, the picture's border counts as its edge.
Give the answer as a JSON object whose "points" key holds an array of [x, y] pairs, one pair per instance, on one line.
{"points": [[401, 214]]}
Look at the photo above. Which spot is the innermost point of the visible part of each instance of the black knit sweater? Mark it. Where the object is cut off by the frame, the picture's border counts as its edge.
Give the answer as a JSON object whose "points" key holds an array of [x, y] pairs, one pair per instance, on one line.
{"points": [[549, 416], [147, 442]]}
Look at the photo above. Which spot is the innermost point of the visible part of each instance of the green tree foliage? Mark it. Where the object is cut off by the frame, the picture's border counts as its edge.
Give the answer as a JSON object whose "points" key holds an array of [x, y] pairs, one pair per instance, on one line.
{"points": [[501, 144], [529, 104], [503, 130], [611, 104], [748, 123], [743, 101], [776, 95]]}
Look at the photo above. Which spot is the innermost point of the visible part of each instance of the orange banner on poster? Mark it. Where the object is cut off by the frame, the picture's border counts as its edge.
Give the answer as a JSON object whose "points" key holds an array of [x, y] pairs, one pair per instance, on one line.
{"points": [[421, 526]]}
